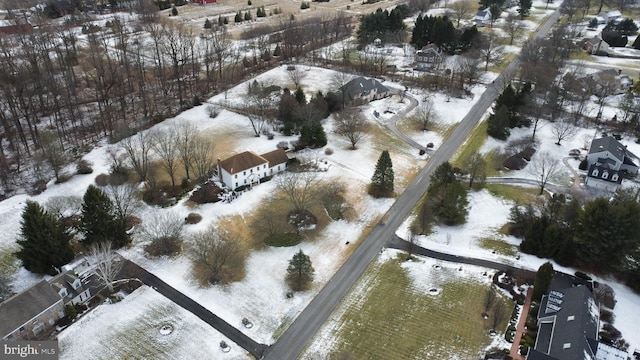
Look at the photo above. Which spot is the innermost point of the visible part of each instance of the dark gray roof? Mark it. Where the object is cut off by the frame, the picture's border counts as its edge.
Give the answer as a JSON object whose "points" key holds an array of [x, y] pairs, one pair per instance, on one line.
{"points": [[575, 317], [602, 170], [611, 145], [361, 86], [65, 280], [21, 308]]}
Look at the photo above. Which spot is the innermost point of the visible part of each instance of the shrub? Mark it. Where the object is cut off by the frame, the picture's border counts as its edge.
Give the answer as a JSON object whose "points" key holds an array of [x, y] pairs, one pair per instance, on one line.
{"points": [[283, 145], [63, 178], [213, 111], [328, 151], [83, 167], [207, 193], [304, 5], [583, 164], [193, 218], [514, 163], [71, 312], [164, 246], [223, 344], [102, 180], [606, 315], [283, 239]]}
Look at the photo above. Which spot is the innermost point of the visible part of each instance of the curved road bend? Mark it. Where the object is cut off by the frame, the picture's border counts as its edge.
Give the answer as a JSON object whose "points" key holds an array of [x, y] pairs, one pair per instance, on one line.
{"points": [[306, 325], [131, 270]]}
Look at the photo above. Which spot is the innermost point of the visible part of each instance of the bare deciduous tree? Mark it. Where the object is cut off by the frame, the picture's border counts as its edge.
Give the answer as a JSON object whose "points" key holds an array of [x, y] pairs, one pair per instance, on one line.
{"points": [[163, 231], [476, 167], [351, 125], [563, 129], [106, 263], [490, 298], [137, 149], [63, 207], [216, 256], [544, 167], [299, 188], [296, 74], [166, 146], [469, 69], [260, 101], [491, 51], [186, 134], [124, 199], [53, 152], [460, 9], [425, 114], [513, 27], [339, 80], [203, 157]]}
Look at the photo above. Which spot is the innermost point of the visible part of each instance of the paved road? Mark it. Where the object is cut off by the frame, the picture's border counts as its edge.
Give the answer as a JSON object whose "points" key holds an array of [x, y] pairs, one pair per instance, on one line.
{"points": [[304, 328], [132, 271], [401, 244]]}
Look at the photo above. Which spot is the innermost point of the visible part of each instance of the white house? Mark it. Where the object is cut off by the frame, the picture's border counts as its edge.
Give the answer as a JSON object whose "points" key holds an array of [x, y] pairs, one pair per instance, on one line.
{"points": [[248, 168], [70, 288], [483, 17], [608, 162], [429, 57]]}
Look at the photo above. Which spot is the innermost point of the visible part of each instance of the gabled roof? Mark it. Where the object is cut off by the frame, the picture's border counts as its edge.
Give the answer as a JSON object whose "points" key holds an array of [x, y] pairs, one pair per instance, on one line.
{"points": [[361, 85], [65, 280], [241, 162], [568, 323], [22, 307], [276, 157], [602, 170], [611, 145]]}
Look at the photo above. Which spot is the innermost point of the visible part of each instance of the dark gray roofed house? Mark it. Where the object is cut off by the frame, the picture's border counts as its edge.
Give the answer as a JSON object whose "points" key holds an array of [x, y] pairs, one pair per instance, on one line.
{"points": [[361, 90], [30, 312], [607, 163], [70, 288], [568, 322]]}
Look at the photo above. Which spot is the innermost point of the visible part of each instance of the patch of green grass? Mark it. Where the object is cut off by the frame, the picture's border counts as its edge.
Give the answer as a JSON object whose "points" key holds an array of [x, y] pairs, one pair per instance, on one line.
{"points": [[8, 261], [393, 320], [472, 145], [283, 239], [521, 195], [499, 246]]}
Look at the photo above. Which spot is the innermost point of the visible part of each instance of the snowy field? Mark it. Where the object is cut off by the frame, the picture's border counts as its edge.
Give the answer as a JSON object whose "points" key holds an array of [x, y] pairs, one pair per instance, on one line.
{"points": [[145, 325]]}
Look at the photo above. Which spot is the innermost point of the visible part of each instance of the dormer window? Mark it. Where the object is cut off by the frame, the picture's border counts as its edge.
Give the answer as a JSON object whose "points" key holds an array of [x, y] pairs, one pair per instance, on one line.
{"points": [[614, 177], [605, 174], [594, 172], [63, 292]]}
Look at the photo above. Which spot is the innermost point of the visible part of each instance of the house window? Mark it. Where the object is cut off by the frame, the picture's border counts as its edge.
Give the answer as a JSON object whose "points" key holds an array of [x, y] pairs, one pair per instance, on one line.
{"points": [[265, 173], [614, 177], [236, 184], [244, 173], [21, 328], [278, 167], [605, 175], [595, 172], [236, 176], [63, 292], [265, 166], [51, 321], [10, 337], [245, 181]]}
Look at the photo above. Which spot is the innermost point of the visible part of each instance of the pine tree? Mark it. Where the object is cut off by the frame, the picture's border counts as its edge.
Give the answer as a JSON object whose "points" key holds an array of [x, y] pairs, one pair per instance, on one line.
{"points": [[301, 98], [238, 17], [498, 124], [99, 222], [174, 11], [207, 24], [382, 180], [544, 275], [524, 7], [300, 272], [247, 15], [44, 243]]}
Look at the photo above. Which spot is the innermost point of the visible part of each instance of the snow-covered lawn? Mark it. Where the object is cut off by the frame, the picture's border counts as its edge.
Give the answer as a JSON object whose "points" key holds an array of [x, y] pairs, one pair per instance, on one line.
{"points": [[131, 329]]}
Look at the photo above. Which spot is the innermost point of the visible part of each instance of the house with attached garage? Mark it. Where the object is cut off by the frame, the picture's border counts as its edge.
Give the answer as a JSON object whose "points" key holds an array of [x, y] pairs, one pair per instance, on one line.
{"points": [[568, 324], [36, 310], [608, 162], [249, 168], [362, 90]]}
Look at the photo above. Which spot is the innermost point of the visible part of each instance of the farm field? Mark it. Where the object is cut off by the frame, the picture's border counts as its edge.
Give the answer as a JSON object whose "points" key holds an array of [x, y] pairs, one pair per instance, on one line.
{"points": [[419, 309]]}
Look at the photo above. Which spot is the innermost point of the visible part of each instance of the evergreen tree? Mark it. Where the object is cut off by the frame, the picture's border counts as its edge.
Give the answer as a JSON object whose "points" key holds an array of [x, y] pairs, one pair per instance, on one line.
{"points": [[498, 124], [544, 275], [207, 24], [524, 7], [247, 15], [442, 176], [220, 21], [301, 98], [452, 207], [313, 135], [382, 180], [277, 51], [99, 222], [44, 243], [299, 272], [238, 17], [174, 11]]}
